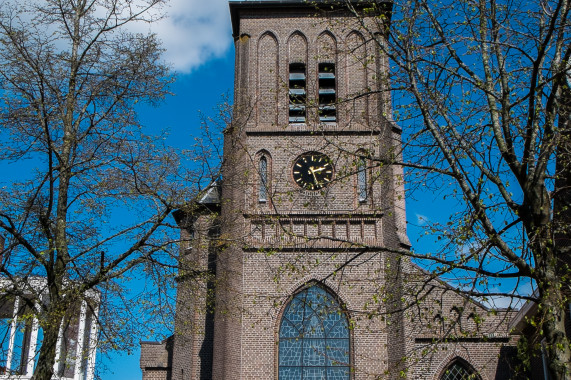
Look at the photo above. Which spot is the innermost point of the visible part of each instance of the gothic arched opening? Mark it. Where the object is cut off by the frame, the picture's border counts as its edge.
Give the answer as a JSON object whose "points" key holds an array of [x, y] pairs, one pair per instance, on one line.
{"points": [[314, 338], [458, 369]]}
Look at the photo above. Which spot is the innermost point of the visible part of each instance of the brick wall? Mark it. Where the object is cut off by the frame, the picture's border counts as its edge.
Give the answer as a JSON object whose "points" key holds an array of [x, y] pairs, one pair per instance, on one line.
{"points": [[156, 360]]}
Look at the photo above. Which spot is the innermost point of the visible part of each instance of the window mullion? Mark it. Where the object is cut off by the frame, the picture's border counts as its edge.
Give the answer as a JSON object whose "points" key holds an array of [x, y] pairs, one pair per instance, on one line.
{"points": [[32, 346], [12, 341], [59, 343], [322, 306], [79, 349], [92, 345]]}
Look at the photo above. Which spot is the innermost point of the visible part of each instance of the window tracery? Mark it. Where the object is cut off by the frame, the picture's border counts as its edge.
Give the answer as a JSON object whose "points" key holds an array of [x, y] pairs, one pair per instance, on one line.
{"points": [[362, 179], [314, 338], [263, 176], [457, 370]]}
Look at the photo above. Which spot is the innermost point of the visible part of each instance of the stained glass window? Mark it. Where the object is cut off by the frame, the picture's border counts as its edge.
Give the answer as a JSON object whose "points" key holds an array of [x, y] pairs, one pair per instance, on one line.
{"points": [[314, 338], [362, 180], [263, 185], [458, 371]]}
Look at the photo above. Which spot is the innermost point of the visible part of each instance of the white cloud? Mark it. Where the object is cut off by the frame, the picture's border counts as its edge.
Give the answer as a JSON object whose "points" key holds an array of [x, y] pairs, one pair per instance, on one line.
{"points": [[193, 32], [524, 288], [499, 302], [421, 220]]}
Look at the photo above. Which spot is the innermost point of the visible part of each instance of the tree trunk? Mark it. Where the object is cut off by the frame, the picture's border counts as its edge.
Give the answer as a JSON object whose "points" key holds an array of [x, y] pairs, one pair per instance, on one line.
{"points": [[558, 298], [552, 315], [46, 360]]}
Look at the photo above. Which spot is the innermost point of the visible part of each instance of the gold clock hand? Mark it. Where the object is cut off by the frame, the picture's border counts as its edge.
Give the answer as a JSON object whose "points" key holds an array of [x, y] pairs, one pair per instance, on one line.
{"points": [[313, 174]]}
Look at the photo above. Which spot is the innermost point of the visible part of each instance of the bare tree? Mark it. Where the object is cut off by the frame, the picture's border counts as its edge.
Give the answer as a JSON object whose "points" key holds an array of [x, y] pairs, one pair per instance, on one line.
{"points": [[95, 198], [481, 90]]}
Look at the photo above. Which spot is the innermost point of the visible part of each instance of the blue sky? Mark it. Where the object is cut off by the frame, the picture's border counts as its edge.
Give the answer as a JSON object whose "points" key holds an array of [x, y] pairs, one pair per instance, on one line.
{"points": [[198, 91], [197, 37]]}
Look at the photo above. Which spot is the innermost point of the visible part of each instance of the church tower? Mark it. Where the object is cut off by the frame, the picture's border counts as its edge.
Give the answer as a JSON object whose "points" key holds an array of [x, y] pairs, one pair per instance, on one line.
{"points": [[310, 219], [292, 267]]}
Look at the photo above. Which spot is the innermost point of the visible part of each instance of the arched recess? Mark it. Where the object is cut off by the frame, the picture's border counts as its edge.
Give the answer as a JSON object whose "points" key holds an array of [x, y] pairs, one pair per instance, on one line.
{"points": [[459, 369], [262, 187], [328, 77], [356, 84], [268, 86], [382, 73], [297, 77], [314, 337], [326, 47], [242, 68], [297, 47]]}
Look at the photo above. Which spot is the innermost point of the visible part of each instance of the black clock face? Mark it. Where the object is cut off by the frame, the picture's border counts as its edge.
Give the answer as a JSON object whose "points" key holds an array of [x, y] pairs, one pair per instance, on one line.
{"points": [[312, 171]]}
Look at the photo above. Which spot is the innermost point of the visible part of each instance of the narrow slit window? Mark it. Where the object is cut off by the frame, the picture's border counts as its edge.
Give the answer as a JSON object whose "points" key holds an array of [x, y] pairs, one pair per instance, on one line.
{"points": [[191, 235], [362, 180], [263, 184], [327, 94], [297, 93]]}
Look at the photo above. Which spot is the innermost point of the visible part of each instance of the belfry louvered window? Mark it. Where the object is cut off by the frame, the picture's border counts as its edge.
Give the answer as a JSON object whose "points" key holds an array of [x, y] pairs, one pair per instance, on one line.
{"points": [[314, 338], [459, 371], [327, 94], [297, 93], [263, 184]]}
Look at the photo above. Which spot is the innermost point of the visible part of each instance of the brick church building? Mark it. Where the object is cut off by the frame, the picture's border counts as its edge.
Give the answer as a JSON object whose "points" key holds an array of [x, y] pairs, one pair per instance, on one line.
{"points": [[293, 267]]}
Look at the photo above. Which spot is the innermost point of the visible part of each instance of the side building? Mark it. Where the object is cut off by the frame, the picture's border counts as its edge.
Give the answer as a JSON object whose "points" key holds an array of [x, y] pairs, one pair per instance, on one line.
{"points": [[21, 334]]}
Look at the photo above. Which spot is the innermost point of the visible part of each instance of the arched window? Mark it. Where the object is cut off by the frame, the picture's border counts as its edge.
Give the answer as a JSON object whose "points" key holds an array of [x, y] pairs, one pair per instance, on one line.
{"points": [[314, 338], [263, 184], [458, 370], [362, 180]]}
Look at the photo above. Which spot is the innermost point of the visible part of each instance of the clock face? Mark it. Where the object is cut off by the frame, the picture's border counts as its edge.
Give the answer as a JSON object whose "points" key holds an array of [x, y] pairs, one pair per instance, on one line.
{"points": [[312, 171]]}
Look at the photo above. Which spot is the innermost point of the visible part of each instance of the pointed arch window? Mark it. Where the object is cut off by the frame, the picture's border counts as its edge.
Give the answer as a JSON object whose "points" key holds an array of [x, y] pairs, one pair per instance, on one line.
{"points": [[458, 370], [314, 338], [362, 179], [263, 184]]}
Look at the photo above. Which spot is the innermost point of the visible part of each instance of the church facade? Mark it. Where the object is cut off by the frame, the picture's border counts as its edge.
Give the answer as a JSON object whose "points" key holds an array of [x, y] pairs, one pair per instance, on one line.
{"points": [[294, 266]]}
